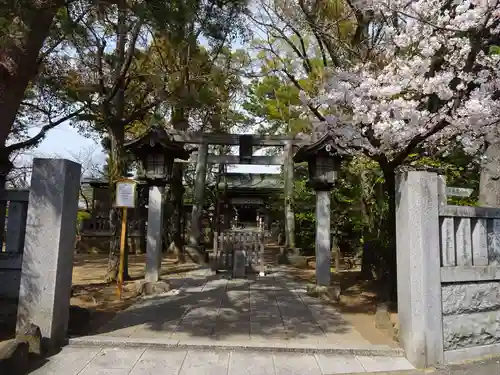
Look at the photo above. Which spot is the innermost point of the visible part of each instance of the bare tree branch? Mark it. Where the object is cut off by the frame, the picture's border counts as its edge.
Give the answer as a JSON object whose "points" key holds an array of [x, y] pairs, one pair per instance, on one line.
{"points": [[43, 131]]}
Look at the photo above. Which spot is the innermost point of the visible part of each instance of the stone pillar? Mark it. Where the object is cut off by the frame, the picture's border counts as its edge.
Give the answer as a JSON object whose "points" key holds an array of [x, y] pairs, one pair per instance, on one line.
{"points": [[418, 268], [323, 248], [289, 214], [199, 189], [49, 248], [154, 236]]}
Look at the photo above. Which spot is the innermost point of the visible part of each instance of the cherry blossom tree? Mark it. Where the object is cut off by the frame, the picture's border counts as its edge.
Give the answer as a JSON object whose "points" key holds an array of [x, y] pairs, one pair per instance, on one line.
{"points": [[432, 77]]}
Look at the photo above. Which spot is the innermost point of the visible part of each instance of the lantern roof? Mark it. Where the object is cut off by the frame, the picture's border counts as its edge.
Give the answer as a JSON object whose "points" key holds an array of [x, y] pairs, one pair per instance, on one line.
{"points": [[158, 138], [326, 145]]}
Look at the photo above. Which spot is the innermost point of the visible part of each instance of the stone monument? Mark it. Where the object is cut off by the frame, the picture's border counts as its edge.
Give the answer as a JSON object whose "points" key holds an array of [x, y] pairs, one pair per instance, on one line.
{"points": [[49, 248]]}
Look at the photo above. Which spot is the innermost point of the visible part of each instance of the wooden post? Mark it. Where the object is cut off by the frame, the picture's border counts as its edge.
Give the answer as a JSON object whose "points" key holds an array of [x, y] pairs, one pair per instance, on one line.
{"points": [[124, 198]]}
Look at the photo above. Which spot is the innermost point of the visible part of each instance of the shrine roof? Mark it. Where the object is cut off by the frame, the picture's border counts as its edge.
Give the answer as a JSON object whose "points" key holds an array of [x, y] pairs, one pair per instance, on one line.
{"points": [[326, 142], [157, 136]]}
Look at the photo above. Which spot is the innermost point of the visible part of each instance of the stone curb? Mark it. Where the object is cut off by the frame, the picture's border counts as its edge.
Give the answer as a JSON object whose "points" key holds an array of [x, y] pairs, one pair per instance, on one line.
{"points": [[127, 342], [395, 372]]}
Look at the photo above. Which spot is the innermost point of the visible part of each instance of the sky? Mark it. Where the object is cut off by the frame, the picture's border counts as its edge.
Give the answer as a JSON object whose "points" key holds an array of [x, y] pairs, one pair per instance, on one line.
{"points": [[65, 141]]}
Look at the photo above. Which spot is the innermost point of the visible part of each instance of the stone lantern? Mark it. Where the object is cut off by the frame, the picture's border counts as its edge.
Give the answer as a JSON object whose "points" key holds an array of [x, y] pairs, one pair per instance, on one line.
{"points": [[323, 158], [157, 151]]}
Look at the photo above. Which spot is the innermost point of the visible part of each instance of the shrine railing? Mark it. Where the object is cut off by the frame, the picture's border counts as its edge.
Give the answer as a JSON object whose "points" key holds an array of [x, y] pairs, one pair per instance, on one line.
{"points": [[239, 250]]}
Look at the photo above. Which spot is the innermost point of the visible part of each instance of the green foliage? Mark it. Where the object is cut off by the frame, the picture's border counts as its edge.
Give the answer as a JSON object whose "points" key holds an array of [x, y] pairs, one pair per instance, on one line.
{"points": [[494, 50], [356, 209], [81, 216], [277, 101], [460, 169], [305, 219]]}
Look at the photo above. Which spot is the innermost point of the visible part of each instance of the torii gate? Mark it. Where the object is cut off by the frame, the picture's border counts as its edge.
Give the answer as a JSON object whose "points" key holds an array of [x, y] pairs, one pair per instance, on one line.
{"points": [[246, 143]]}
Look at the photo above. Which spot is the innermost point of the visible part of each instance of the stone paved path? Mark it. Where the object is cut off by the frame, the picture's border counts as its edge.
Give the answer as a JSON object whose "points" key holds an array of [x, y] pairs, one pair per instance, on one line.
{"points": [[95, 361], [204, 306]]}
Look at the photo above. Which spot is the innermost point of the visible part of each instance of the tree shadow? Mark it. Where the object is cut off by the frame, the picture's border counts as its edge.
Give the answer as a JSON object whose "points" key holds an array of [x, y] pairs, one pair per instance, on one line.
{"points": [[217, 308]]}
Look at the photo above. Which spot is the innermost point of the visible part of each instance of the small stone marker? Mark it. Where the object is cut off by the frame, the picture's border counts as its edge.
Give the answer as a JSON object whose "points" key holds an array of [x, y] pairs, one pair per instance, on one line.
{"points": [[239, 264]]}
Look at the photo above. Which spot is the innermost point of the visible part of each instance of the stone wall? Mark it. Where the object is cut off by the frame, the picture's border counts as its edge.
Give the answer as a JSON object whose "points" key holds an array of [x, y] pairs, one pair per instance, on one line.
{"points": [[471, 314], [449, 284], [470, 281]]}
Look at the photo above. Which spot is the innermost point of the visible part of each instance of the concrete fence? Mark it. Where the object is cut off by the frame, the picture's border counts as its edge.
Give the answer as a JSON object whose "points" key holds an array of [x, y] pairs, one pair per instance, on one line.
{"points": [[448, 260], [14, 209]]}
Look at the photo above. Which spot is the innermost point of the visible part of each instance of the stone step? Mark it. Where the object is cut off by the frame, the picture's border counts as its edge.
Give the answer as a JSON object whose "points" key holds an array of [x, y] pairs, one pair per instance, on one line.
{"points": [[245, 346]]}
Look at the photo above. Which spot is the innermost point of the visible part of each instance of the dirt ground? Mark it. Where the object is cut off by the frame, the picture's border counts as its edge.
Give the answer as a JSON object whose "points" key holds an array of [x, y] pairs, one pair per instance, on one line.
{"points": [[91, 292], [358, 301]]}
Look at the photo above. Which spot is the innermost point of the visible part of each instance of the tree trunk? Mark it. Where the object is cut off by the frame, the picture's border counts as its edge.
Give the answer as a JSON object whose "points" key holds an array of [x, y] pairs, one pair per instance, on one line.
{"points": [[19, 60], [143, 193], [114, 244], [115, 172], [179, 121], [178, 193], [368, 261], [167, 214], [390, 274], [116, 130], [489, 182], [3, 209]]}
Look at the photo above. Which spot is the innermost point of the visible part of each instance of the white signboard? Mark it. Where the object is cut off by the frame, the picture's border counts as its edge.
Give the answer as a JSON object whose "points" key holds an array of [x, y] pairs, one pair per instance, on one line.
{"points": [[458, 192], [125, 194]]}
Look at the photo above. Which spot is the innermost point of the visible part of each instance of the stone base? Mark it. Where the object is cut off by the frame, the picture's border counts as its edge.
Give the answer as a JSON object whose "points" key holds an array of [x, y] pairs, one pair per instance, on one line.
{"points": [[291, 256], [196, 253], [383, 321], [145, 288], [16, 353], [297, 261], [327, 293], [382, 317]]}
